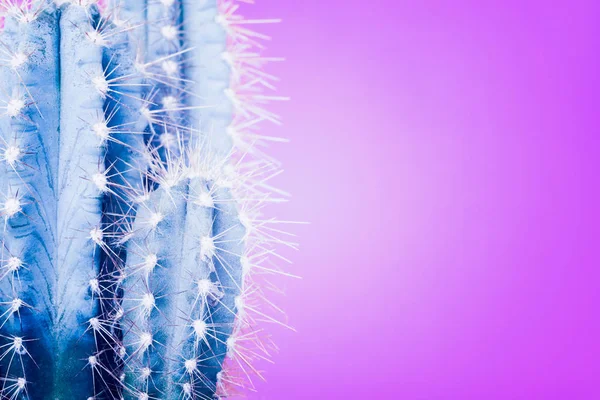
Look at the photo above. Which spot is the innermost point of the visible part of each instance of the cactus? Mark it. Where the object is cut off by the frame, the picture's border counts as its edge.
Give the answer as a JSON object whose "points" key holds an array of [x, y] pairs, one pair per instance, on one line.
{"points": [[131, 189]]}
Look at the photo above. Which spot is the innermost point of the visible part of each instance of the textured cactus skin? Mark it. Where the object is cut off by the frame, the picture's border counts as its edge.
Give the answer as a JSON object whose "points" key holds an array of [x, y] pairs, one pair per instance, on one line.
{"points": [[124, 246], [37, 234]]}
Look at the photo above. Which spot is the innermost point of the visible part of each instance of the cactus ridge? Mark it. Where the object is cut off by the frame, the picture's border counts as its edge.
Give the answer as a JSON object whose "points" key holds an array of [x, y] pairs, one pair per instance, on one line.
{"points": [[135, 260]]}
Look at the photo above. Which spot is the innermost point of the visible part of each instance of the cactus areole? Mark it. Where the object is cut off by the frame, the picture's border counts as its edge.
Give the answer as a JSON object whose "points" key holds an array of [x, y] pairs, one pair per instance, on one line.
{"points": [[131, 189]]}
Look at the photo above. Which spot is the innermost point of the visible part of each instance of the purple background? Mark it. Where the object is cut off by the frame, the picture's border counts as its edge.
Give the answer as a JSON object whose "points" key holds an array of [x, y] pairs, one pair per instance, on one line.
{"points": [[446, 154]]}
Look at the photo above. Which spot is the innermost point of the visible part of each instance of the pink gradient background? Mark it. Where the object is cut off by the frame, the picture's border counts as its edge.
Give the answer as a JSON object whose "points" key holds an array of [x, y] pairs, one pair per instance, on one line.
{"points": [[446, 154]]}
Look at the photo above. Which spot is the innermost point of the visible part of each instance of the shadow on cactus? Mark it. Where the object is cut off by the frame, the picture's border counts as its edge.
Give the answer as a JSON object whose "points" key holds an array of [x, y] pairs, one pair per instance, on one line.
{"points": [[132, 186]]}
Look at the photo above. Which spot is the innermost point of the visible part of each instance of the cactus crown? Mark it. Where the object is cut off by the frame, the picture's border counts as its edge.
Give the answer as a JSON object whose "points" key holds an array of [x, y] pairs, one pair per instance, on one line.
{"points": [[132, 184]]}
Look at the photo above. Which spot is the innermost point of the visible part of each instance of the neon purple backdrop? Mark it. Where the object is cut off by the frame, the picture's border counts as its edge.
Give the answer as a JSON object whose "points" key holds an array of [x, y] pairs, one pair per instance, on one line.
{"points": [[446, 154]]}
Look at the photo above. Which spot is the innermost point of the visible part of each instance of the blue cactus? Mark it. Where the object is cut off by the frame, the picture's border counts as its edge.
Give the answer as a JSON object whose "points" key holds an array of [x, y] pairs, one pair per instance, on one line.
{"points": [[131, 199]]}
